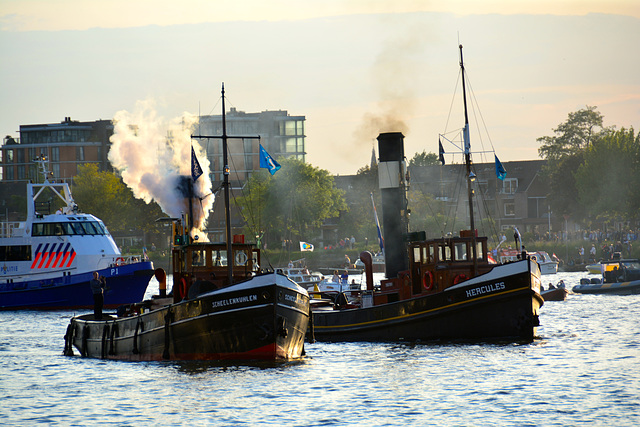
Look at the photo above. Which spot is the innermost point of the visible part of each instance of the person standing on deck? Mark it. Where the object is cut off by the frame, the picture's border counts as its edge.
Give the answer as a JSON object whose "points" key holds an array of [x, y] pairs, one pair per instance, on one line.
{"points": [[97, 288]]}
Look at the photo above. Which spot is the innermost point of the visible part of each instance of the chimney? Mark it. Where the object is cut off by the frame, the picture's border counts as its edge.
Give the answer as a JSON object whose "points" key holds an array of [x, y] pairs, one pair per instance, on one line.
{"points": [[395, 221]]}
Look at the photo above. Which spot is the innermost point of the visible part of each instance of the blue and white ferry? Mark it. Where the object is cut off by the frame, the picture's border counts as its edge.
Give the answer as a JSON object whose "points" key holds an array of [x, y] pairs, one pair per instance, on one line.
{"points": [[47, 261]]}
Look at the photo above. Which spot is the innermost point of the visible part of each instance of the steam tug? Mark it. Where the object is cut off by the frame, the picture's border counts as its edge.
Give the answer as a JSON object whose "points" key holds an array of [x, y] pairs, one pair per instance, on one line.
{"points": [[221, 307], [435, 289]]}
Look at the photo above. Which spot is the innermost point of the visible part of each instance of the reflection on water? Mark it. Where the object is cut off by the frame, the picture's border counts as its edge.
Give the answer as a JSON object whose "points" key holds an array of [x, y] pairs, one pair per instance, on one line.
{"points": [[583, 369]]}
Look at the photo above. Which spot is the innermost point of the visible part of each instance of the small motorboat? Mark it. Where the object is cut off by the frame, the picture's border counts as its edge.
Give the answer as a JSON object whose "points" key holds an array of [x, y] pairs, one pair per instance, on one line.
{"points": [[555, 293], [619, 277]]}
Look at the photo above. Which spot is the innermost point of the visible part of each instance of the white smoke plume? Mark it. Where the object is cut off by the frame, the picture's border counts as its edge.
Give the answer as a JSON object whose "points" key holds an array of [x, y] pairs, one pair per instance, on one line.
{"points": [[153, 155]]}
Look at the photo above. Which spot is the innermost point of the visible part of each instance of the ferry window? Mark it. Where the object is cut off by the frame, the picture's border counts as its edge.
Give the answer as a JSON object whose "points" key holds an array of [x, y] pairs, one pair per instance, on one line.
{"points": [[67, 228], [49, 229], [38, 230], [77, 227], [100, 228], [432, 253], [480, 253], [90, 229], [425, 255], [15, 253]]}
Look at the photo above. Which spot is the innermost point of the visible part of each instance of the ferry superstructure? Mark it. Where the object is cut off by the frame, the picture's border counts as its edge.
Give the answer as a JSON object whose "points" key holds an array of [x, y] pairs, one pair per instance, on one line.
{"points": [[47, 261]]}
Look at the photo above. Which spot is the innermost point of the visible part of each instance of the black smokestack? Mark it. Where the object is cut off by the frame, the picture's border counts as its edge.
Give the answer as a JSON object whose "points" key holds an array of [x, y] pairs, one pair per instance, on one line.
{"points": [[391, 174]]}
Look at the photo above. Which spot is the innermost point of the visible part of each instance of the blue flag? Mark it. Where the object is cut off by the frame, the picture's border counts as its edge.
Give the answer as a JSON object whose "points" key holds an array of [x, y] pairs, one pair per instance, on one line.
{"points": [[266, 161], [196, 170], [441, 152], [501, 172]]}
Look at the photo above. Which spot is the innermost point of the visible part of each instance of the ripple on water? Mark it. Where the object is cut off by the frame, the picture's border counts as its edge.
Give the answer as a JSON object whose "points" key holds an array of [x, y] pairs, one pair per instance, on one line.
{"points": [[584, 368]]}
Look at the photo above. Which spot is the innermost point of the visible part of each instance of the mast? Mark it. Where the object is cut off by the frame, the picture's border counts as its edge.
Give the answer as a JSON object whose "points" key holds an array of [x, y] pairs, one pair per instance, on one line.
{"points": [[470, 177], [225, 184]]}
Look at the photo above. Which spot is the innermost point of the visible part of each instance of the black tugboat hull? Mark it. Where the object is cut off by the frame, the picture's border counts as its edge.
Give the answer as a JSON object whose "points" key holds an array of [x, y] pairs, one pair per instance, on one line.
{"points": [[264, 318], [502, 305]]}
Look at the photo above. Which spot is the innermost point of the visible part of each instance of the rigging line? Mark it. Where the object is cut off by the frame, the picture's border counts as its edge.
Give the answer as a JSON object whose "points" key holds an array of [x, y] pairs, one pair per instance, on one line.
{"points": [[482, 206], [452, 101], [452, 208], [478, 112], [474, 108], [434, 215], [215, 106], [235, 200]]}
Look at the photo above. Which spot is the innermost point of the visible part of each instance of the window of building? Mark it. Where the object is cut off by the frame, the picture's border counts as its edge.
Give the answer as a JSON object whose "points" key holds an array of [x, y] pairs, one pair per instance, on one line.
{"points": [[80, 154], [55, 154], [56, 170], [9, 156], [510, 185], [248, 154], [509, 209], [20, 156], [21, 172], [536, 207], [8, 173]]}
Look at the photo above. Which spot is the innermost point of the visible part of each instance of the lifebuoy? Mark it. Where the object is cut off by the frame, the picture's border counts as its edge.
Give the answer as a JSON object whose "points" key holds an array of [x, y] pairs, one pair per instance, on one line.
{"points": [[120, 261], [241, 258], [183, 288], [427, 280], [459, 278]]}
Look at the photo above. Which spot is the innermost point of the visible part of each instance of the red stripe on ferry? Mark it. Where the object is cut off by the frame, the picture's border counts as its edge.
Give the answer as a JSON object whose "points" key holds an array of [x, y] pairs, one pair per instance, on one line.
{"points": [[52, 255], [57, 259], [73, 255], [44, 255], [35, 261]]}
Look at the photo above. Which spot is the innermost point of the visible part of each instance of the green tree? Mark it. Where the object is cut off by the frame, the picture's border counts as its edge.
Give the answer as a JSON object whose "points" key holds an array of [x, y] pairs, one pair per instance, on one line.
{"points": [[291, 204], [105, 195], [573, 136], [564, 154], [608, 178], [358, 220], [424, 159]]}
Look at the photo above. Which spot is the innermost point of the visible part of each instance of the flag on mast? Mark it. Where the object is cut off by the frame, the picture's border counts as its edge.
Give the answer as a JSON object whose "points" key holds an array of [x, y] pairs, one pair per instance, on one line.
{"points": [[196, 170], [501, 172], [375, 214], [266, 161], [440, 151]]}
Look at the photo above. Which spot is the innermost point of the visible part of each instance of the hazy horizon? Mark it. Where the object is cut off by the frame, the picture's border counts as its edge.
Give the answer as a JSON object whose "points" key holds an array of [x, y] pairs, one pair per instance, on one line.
{"points": [[353, 75]]}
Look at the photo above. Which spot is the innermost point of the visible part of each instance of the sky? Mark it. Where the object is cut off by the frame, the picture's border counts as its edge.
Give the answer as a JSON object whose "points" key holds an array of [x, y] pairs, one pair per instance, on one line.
{"points": [[353, 68]]}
